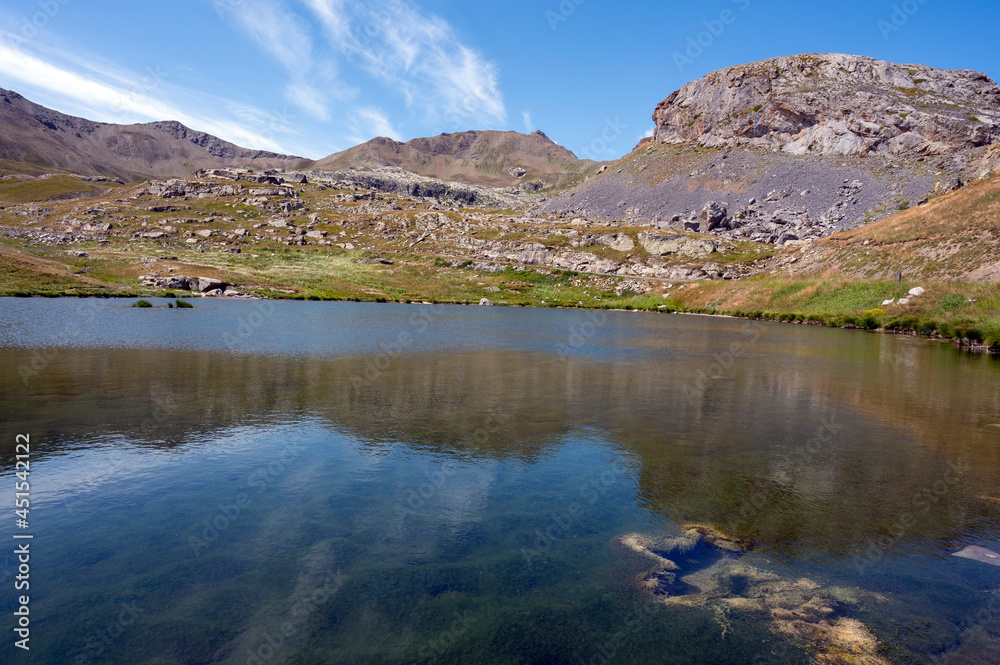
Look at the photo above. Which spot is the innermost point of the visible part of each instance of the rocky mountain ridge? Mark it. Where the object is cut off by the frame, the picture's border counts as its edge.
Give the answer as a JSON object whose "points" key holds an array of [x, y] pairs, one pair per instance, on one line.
{"points": [[42, 137], [38, 135]]}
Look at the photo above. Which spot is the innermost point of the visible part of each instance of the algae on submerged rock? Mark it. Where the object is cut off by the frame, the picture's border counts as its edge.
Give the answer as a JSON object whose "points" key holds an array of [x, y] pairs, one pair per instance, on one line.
{"points": [[702, 567]]}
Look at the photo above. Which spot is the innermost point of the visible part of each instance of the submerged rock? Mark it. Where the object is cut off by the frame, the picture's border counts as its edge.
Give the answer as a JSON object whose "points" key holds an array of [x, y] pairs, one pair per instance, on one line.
{"points": [[703, 567], [981, 554]]}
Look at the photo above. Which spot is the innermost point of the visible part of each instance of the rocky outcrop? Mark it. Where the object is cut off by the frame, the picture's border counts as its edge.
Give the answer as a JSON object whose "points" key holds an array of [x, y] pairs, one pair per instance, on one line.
{"points": [[663, 245], [394, 180], [834, 104]]}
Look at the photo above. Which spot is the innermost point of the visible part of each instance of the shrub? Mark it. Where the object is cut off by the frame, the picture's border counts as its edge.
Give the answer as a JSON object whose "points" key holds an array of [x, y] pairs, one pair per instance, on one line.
{"points": [[973, 335], [870, 323], [902, 323], [143, 303], [952, 301], [184, 305]]}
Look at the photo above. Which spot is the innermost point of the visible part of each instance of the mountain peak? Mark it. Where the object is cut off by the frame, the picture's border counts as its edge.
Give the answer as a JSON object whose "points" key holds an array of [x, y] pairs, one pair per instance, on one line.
{"points": [[482, 157], [834, 104]]}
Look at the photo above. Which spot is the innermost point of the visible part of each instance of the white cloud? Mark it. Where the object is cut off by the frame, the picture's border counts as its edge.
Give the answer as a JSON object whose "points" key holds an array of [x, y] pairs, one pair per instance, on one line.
{"points": [[648, 134], [416, 55], [367, 123], [529, 126], [120, 97]]}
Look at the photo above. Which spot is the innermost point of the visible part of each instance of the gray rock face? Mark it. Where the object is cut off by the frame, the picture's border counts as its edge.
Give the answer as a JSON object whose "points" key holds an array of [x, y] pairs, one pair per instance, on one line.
{"points": [[834, 104], [661, 245]]}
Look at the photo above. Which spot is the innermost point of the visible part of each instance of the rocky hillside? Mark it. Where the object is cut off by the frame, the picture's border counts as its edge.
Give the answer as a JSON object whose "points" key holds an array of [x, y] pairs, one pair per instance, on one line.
{"points": [[793, 149], [497, 159], [38, 136], [954, 237]]}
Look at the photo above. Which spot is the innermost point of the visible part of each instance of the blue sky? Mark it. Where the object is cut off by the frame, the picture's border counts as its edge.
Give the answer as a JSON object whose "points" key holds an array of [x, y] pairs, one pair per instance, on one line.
{"points": [[311, 77]]}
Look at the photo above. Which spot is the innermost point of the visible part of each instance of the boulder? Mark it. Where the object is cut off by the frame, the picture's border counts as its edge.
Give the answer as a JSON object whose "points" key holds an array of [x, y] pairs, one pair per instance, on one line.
{"points": [[888, 302], [486, 302], [917, 292], [623, 243], [713, 214], [181, 282], [206, 284]]}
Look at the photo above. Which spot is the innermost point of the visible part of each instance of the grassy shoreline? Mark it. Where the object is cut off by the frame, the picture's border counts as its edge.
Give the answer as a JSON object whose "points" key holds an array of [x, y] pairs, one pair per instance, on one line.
{"points": [[967, 314]]}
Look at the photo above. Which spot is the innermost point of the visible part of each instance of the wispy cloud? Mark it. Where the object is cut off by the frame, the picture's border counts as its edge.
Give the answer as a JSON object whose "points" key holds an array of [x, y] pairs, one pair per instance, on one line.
{"points": [[309, 99], [367, 123], [529, 126], [118, 96], [277, 31], [415, 54], [287, 38], [648, 134]]}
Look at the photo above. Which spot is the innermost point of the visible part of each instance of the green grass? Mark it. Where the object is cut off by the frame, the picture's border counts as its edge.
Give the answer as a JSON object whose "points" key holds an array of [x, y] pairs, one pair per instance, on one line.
{"points": [[939, 312], [15, 191]]}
